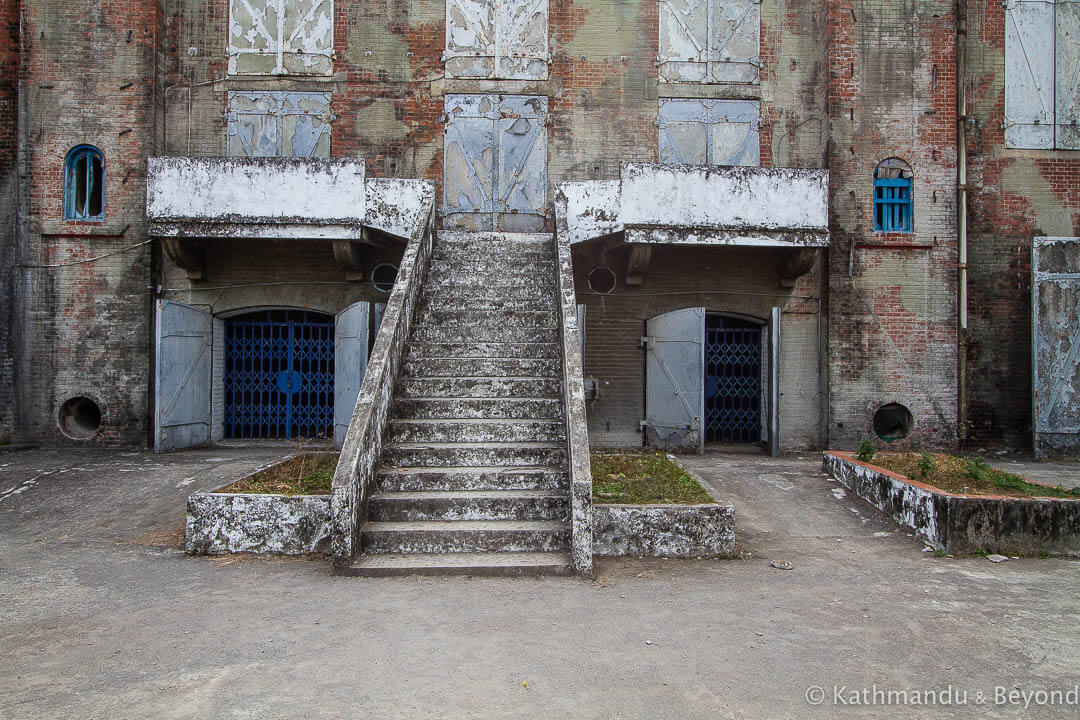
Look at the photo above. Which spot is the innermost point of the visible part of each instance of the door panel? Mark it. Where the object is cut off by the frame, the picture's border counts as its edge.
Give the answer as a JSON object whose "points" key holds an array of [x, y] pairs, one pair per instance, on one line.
{"points": [[182, 384], [675, 380], [350, 363]]}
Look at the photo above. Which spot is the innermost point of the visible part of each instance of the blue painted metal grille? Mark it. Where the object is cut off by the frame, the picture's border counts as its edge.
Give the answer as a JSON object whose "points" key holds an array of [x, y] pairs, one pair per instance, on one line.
{"points": [[892, 204], [732, 380], [279, 375]]}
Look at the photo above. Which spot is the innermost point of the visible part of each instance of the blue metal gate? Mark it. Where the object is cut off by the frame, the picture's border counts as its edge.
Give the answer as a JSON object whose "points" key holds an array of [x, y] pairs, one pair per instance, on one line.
{"points": [[279, 375], [732, 380]]}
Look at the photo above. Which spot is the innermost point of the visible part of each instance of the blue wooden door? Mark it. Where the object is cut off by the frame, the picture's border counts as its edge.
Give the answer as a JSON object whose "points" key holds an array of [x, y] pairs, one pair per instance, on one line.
{"points": [[279, 375]]}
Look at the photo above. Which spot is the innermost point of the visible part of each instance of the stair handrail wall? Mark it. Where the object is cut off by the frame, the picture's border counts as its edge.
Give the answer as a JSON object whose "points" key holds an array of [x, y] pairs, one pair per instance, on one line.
{"points": [[354, 478], [577, 428]]}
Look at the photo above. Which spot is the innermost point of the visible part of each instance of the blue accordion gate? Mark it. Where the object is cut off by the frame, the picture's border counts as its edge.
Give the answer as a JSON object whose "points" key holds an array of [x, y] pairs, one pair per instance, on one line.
{"points": [[279, 375], [732, 380]]}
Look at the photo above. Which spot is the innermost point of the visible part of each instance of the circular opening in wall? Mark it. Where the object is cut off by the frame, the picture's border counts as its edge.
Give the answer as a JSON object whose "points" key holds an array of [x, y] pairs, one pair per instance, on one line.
{"points": [[602, 279], [80, 418], [893, 422], [383, 277]]}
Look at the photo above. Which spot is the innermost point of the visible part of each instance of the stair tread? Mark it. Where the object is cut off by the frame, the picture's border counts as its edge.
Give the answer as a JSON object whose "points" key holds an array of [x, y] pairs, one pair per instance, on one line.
{"points": [[467, 526], [455, 560], [531, 445], [478, 421], [469, 494], [484, 469]]}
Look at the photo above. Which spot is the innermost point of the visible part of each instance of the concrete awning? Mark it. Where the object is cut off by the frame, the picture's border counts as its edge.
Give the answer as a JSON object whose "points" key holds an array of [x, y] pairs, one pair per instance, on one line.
{"points": [[700, 205], [192, 199]]}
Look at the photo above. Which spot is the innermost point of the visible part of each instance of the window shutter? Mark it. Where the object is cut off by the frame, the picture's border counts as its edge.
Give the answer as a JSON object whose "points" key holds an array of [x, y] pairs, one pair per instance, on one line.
{"points": [[470, 38], [521, 49], [281, 37], [683, 136], [684, 40], [735, 41], [278, 124], [734, 137], [1067, 71], [1029, 74]]}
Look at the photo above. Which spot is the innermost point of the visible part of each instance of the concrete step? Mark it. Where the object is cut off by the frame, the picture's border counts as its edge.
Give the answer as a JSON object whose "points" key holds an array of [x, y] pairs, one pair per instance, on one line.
{"points": [[469, 505], [532, 350], [489, 318], [471, 478], [483, 334], [534, 454], [515, 564], [484, 240], [516, 282], [481, 298], [479, 387], [494, 261], [465, 536], [487, 367], [477, 430], [468, 408]]}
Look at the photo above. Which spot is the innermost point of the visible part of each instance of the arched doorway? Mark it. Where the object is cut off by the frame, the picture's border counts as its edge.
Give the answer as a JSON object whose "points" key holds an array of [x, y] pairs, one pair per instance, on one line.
{"points": [[279, 375]]}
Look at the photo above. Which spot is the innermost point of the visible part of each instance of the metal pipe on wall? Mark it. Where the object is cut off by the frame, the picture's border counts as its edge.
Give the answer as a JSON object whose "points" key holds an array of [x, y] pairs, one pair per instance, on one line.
{"points": [[961, 218]]}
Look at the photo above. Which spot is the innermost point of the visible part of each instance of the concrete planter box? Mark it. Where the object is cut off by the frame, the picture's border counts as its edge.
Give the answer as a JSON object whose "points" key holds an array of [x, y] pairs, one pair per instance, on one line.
{"points": [[219, 523], [670, 531], [963, 524]]}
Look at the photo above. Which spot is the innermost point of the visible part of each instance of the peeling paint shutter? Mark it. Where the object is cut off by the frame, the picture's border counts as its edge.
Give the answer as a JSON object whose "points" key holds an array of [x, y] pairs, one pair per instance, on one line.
{"points": [[715, 132], [505, 39], [470, 38], [774, 381], [675, 379], [183, 374], [709, 41], [1067, 71], [279, 124], [469, 162], [734, 138], [683, 131], [495, 168], [521, 49], [521, 180], [1029, 74], [350, 363], [735, 41], [281, 37], [684, 40], [1055, 343]]}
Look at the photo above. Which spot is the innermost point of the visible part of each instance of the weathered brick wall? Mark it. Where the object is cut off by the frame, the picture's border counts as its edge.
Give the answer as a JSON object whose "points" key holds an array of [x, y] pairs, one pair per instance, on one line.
{"points": [[1014, 195], [892, 308], [9, 108], [88, 76]]}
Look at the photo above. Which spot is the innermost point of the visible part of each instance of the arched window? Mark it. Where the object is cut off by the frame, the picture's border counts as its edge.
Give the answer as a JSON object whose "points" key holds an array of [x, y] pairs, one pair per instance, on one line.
{"points": [[84, 184], [892, 196]]}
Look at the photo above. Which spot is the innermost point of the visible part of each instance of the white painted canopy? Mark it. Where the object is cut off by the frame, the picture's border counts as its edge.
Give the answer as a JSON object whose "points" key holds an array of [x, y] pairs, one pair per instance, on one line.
{"points": [[317, 198], [700, 205]]}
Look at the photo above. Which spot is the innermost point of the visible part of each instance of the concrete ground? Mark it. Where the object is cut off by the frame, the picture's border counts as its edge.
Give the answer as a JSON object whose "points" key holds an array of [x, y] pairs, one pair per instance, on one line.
{"points": [[101, 616]]}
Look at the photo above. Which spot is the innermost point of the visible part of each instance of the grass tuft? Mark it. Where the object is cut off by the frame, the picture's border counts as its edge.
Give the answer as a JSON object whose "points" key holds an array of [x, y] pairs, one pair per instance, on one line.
{"points": [[965, 476], [306, 474], [639, 478]]}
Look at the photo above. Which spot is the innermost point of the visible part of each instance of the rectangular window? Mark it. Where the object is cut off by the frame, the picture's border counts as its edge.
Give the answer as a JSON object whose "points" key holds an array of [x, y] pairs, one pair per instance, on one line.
{"points": [[710, 41], [498, 39], [279, 124], [892, 204], [709, 132], [1042, 52], [281, 37]]}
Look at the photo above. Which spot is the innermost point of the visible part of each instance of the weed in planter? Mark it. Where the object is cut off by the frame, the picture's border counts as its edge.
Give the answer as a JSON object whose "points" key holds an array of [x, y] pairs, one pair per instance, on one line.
{"points": [[926, 465], [866, 450]]}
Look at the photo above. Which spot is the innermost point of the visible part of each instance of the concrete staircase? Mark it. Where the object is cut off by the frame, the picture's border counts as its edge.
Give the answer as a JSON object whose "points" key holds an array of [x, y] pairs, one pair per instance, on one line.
{"points": [[474, 476]]}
